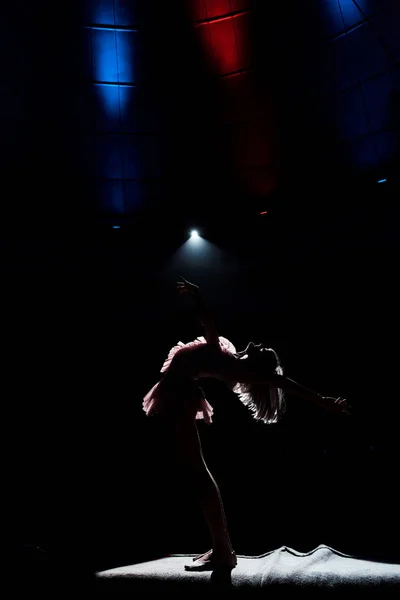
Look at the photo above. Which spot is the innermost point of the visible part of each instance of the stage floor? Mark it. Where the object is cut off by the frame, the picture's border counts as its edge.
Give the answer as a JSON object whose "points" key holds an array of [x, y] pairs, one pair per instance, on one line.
{"points": [[322, 569]]}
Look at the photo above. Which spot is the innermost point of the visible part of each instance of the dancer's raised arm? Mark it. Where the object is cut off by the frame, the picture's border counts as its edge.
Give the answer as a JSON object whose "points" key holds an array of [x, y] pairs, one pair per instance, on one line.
{"points": [[210, 331]]}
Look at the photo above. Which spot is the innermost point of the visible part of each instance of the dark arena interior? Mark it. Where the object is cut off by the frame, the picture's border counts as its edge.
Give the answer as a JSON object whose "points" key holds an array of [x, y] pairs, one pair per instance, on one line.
{"points": [[272, 129]]}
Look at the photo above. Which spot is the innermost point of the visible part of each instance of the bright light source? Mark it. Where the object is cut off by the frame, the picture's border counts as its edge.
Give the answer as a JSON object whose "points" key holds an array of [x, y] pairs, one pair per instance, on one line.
{"points": [[194, 234], [382, 180], [116, 227]]}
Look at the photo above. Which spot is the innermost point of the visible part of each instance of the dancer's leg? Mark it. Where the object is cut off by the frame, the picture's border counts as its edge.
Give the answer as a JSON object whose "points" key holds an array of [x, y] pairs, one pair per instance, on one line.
{"points": [[190, 456]]}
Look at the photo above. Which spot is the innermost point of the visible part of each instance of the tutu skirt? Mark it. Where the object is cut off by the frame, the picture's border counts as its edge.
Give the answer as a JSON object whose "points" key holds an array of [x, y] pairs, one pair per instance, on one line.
{"points": [[176, 393], [177, 397]]}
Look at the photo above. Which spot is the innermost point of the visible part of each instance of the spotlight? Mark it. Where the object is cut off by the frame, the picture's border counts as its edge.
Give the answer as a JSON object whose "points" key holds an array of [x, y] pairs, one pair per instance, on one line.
{"points": [[194, 234]]}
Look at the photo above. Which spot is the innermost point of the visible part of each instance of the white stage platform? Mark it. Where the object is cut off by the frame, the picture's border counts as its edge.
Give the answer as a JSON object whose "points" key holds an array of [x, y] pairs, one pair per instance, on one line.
{"points": [[321, 570]]}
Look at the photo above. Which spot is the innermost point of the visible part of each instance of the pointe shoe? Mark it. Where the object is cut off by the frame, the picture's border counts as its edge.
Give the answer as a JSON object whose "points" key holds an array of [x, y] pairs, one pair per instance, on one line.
{"points": [[212, 563], [201, 555]]}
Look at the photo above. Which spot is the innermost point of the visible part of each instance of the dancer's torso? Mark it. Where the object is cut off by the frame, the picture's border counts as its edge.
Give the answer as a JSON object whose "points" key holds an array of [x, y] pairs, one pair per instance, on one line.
{"points": [[203, 360]]}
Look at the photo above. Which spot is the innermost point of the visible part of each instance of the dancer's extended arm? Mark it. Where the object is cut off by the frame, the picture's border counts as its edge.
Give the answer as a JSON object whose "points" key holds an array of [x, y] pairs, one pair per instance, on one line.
{"points": [[291, 387]]}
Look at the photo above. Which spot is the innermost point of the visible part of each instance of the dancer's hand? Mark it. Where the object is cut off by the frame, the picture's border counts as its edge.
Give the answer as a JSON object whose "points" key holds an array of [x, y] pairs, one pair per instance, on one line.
{"points": [[185, 287], [338, 406]]}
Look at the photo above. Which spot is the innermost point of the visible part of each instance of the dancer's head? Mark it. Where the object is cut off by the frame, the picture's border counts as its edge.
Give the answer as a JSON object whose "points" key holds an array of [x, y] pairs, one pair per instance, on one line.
{"points": [[266, 402], [259, 356]]}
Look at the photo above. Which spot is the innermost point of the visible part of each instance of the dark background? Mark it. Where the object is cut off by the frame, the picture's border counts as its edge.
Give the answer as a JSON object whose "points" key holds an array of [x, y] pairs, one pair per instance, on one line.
{"points": [[305, 131]]}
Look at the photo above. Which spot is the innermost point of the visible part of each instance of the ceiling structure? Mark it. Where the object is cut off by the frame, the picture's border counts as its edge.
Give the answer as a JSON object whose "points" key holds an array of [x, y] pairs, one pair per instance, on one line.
{"points": [[211, 99], [197, 107]]}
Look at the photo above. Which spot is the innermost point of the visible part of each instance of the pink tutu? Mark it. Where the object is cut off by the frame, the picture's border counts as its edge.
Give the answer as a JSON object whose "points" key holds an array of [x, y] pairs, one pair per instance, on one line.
{"points": [[167, 394]]}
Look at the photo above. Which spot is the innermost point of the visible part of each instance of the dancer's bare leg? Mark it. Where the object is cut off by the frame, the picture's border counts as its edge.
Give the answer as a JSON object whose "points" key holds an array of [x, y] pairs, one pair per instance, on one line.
{"points": [[190, 456]]}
